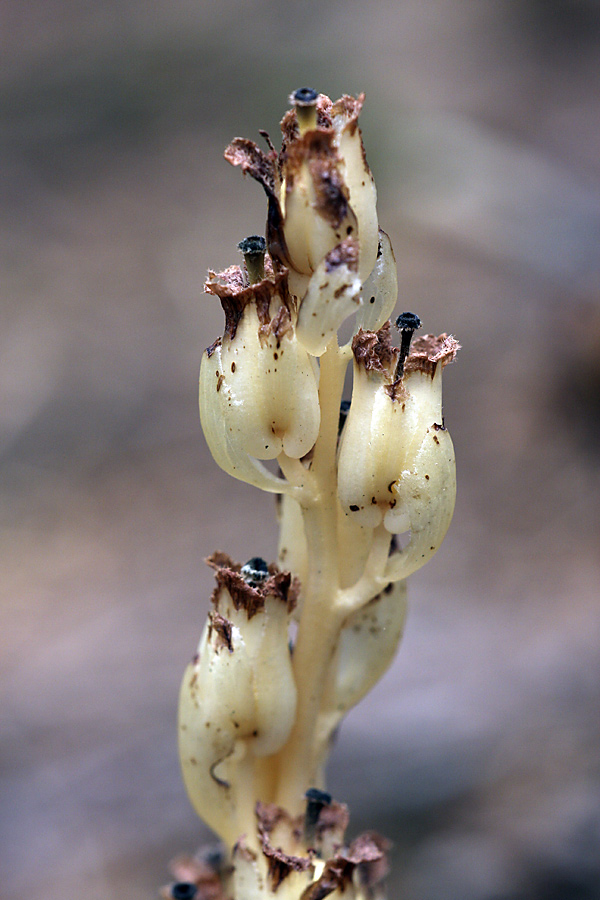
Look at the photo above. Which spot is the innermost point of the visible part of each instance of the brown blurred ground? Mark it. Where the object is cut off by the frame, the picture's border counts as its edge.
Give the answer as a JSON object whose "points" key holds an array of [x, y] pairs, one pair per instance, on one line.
{"points": [[479, 753]]}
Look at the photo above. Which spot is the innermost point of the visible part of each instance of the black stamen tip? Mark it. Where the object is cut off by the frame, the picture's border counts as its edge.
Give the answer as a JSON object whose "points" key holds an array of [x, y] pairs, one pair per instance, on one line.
{"points": [[407, 323], [253, 245], [183, 890], [315, 801], [304, 97], [255, 571], [314, 795]]}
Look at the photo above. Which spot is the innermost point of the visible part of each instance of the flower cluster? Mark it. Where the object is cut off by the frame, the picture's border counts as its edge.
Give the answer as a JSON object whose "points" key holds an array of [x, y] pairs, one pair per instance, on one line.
{"points": [[289, 648]]}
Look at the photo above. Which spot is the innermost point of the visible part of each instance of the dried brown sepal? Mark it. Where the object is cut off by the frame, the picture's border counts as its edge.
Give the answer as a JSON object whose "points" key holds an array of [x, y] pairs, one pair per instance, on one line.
{"points": [[235, 293], [337, 875], [244, 596], [264, 168], [348, 106], [222, 627], [331, 879], [429, 351], [333, 818], [317, 150], [253, 161], [374, 866], [374, 350], [279, 864], [366, 850], [220, 560], [269, 815]]}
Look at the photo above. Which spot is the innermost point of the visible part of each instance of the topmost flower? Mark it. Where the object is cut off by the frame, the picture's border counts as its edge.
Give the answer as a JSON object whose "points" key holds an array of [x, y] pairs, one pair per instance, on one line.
{"points": [[320, 188]]}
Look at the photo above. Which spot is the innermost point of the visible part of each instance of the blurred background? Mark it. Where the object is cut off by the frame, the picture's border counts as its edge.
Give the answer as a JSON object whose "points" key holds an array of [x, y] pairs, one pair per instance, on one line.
{"points": [[479, 752]]}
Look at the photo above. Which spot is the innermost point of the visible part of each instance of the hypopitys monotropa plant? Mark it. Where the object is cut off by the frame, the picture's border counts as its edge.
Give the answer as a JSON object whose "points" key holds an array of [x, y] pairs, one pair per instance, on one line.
{"points": [[258, 707]]}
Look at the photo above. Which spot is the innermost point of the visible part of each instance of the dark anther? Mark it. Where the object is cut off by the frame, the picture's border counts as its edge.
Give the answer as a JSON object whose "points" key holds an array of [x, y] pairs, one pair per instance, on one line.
{"points": [[344, 408], [183, 890], [255, 571], [407, 323], [254, 249], [315, 801], [304, 97]]}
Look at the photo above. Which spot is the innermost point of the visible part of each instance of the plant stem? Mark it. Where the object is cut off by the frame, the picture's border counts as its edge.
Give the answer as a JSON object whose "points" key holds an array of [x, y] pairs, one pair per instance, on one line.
{"points": [[320, 621]]}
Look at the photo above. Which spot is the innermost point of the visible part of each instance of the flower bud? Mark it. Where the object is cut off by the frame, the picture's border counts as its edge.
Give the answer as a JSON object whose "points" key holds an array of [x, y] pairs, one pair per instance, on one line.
{"points": [[320, 189], [396, 460], [327, 190], [258, 385]]}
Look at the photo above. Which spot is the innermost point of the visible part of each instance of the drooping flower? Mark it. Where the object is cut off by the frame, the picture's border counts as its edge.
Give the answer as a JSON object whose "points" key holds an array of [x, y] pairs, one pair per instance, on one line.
{"points": [[258, 385], [238, 695], [396, 461], [320, 188]]}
